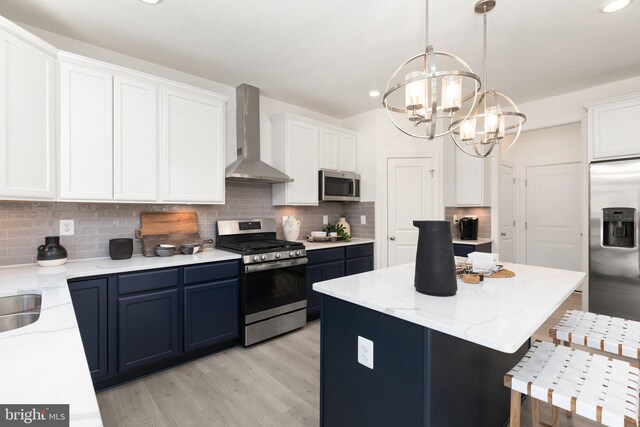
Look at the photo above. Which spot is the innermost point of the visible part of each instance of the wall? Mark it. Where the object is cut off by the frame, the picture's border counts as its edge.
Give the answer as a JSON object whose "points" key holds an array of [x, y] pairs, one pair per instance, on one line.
{"points": [[23, 225], [379, 140], [546, 146]]}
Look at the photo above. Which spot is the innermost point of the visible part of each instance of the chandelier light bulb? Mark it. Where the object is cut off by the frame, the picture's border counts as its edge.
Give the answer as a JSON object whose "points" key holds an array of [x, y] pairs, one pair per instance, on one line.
{"points": [[490, 121], [468, 130], [451, 93], [415, 92]]}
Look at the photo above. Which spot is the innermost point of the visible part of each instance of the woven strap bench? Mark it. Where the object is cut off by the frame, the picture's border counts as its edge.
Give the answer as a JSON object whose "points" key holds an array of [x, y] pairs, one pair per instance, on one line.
{"points": [[610, 334], [596, 387]]}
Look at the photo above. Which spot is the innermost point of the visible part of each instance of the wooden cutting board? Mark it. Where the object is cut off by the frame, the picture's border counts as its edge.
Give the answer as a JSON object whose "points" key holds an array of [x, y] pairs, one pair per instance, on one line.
{"points": [[168, 223], [174, 228]]}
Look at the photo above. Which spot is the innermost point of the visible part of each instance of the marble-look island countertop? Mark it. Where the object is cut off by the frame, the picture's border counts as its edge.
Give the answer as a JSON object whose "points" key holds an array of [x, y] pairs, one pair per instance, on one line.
{"points": [[501, 314], [310, 246], [472, 242], [44, 363]]}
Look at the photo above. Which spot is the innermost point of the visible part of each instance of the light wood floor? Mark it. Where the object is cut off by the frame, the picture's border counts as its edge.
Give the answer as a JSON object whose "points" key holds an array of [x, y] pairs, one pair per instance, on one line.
{"points": [[275, 383]]}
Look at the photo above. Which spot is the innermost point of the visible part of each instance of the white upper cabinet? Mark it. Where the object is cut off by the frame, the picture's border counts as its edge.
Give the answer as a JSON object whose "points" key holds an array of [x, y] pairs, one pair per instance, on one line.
{"points": [[472, 180], [135, 140], [86, 133], [329, 149], [614, 128], [295, 152], [348, 152], [337, 149], [193, 147], [27, 120]]}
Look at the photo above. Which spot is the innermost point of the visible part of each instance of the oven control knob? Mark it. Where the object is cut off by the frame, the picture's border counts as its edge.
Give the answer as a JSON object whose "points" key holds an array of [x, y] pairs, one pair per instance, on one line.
{"points": [[278, 255], [263, 257], [298, 253], [292, 253], [256, 258]]}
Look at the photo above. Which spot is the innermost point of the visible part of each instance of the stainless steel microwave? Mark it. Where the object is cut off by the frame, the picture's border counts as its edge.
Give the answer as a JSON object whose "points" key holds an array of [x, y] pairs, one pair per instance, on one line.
{"points": [[338, 186]]}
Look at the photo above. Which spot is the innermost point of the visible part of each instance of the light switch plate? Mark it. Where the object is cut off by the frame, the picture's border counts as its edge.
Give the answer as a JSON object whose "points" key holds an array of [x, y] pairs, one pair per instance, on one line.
{"points": [[67, 227], [365, 352], [363, 219], [325, 219]]}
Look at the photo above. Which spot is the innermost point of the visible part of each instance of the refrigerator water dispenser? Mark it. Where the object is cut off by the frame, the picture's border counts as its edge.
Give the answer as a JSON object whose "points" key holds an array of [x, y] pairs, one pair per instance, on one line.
{"points": [[618, 227]]}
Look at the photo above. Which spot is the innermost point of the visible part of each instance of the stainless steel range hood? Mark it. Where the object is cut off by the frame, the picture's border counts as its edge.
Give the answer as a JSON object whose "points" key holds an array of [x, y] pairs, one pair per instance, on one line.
{"points": [[248, 166]]}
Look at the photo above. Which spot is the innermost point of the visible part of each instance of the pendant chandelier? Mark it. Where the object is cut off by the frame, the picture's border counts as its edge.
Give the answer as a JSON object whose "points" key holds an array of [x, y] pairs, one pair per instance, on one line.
{"points": [[493, 116], [420, 94]]}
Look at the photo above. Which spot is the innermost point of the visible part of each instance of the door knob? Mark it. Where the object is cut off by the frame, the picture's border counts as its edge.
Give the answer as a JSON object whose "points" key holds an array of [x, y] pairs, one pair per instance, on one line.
{"points": [[503, 234], [392, 238]]}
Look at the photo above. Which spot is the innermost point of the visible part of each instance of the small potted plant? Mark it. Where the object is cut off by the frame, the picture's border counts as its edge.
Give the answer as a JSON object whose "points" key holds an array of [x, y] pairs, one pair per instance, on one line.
{"points": [[339, 230]]}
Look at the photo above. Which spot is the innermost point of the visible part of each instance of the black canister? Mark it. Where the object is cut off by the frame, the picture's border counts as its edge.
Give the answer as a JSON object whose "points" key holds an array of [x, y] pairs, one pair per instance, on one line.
{"points": [[51, 253], [435, 264], [120, 248]]}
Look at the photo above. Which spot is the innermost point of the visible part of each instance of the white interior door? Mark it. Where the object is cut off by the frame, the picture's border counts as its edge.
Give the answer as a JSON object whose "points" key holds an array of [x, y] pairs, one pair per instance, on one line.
{"points": [[506, 214], [410, 197], [553, 218]]}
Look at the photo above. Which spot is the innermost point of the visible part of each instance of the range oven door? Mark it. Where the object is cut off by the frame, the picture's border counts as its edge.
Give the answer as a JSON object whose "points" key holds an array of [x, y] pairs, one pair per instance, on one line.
{"points": [[274, 288]]}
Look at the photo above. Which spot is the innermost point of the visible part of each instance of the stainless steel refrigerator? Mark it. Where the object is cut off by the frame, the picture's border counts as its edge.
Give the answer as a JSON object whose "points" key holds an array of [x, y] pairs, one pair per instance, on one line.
{"points": [[614, 257]]}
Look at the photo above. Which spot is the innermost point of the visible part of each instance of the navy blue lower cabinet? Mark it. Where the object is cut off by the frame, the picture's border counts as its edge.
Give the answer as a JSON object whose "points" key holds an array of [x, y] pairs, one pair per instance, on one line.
{"points": [[359, 265], [460, 249], [90, 305], [149, 328], [359, 259], [315, 273], [211, 314]]}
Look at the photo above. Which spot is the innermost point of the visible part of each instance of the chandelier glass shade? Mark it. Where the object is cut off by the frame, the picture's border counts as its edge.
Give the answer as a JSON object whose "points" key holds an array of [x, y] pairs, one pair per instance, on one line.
{"points": [[494, 118], [428, 89]]}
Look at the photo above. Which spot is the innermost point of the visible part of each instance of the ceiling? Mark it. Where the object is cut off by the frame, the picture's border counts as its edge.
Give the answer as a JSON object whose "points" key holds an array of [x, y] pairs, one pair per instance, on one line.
{"points": [[326, 55]]}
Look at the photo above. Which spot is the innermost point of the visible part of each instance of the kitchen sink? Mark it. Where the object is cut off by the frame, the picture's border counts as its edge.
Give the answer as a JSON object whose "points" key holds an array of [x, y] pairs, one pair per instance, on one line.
{"points": [[17, 311]]}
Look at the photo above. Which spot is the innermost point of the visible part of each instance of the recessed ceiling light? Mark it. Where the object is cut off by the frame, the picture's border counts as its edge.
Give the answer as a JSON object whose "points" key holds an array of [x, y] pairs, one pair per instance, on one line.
{"points": [[374, 93], [151, 1], [614, 5]]}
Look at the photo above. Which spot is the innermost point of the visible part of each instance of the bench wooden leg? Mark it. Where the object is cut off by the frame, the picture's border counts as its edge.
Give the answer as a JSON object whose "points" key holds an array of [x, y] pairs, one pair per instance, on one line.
{"points": [[535, 412], [515, 408], [555, 419]]}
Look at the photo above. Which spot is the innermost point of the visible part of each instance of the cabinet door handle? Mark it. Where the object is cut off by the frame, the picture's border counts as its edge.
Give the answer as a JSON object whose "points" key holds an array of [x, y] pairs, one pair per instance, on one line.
{"points": [[503, 234], [392, 238]]}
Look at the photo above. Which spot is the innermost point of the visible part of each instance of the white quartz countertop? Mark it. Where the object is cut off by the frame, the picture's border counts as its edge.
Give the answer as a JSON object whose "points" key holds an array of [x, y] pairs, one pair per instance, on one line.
{"points": [[471, 242], [498, 313], [310, 246], [44, 363]]}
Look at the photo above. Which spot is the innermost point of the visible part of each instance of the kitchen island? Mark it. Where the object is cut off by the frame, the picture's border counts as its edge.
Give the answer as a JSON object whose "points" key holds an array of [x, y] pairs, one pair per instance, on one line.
{"points": [[437, 361]]}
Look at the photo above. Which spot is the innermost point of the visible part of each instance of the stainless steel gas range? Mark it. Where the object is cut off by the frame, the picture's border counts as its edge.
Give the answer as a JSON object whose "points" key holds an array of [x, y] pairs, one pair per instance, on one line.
{"points": [[273, 289]]}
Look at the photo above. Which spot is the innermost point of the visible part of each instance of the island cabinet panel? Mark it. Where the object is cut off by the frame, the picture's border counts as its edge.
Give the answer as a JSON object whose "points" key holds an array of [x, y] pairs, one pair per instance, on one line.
{"points": [[211, 314], [90, 305], [390, 394], [148, 328], [420, 377]]}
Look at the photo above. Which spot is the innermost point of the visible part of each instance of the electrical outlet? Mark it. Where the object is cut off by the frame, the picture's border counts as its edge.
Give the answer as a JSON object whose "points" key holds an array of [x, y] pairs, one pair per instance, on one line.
{"points": [[455, 218], [365, 352], [325, 219], [66, 227], [363, 219]]}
